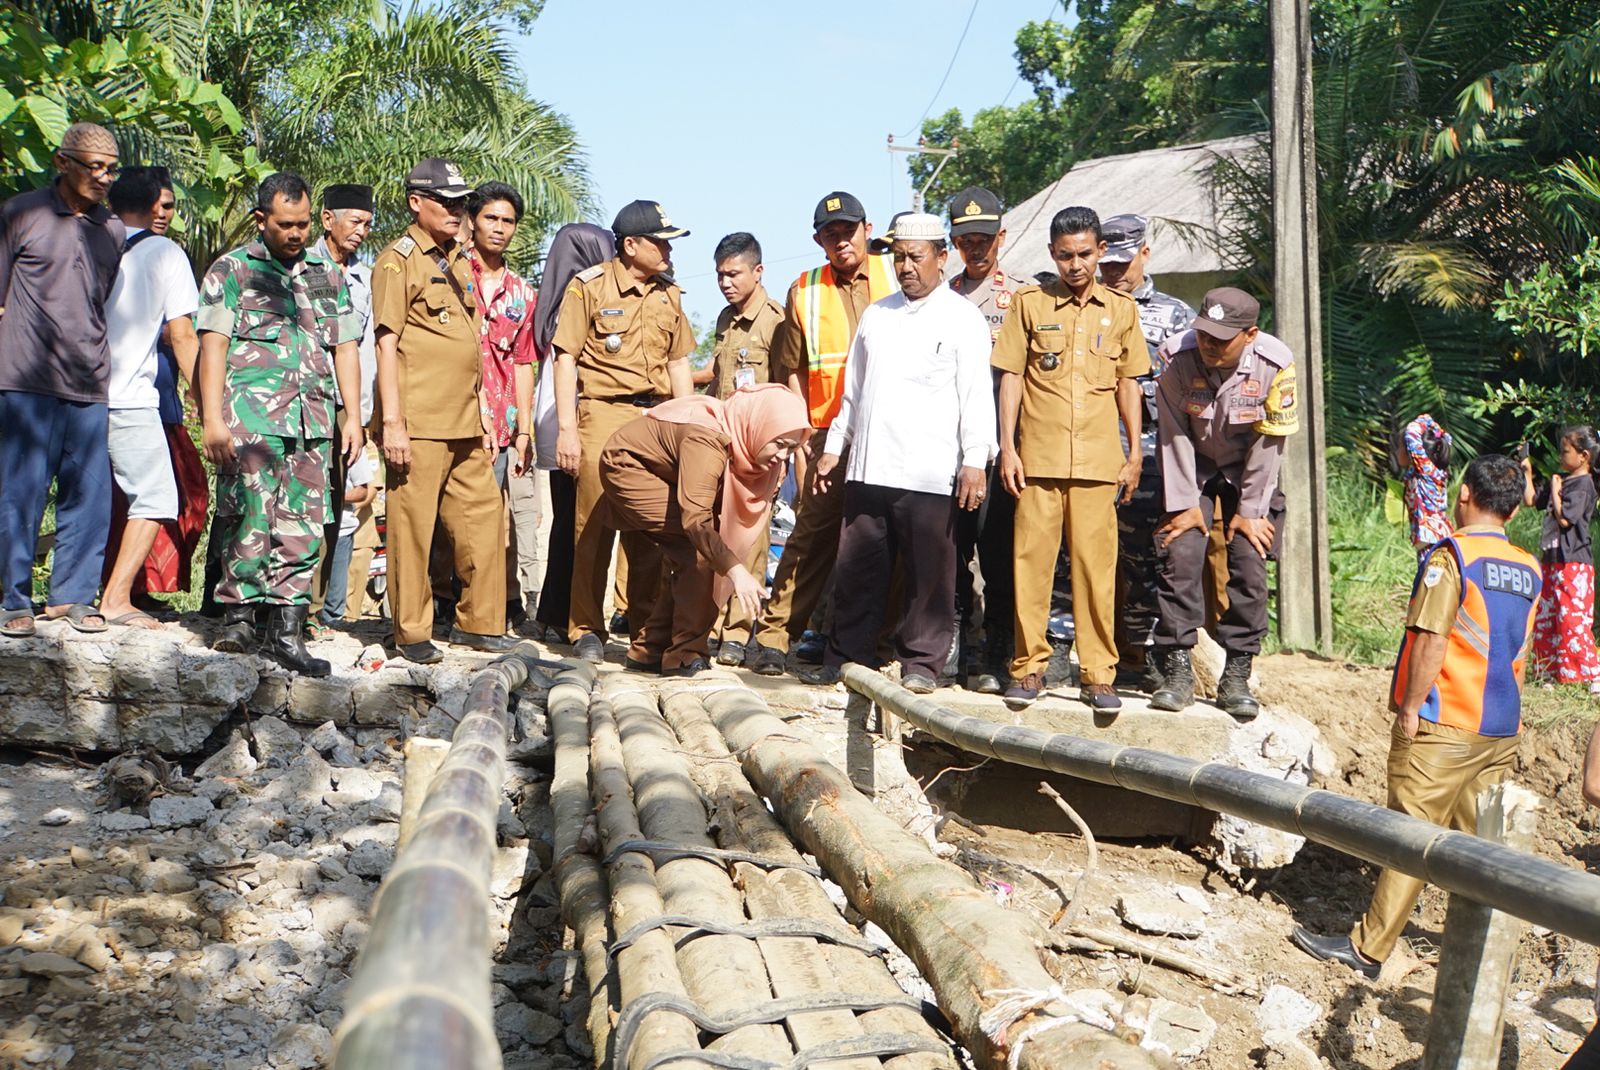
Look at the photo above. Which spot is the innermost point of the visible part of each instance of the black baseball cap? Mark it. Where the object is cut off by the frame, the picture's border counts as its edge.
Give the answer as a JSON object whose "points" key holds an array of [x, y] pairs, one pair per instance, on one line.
{"points": [[342, 195], [1225, 311], [974, 211], [836, 206], [439, 177], [1124, 236], [645, 219], [880, 245]]}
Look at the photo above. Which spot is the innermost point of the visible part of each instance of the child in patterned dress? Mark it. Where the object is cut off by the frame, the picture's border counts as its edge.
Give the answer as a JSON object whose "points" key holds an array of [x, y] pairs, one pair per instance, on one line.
{"points": [[1563, 631]]}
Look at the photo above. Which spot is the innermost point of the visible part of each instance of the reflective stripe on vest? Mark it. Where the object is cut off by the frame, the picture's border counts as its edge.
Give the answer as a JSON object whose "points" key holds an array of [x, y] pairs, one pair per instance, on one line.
{"points": [[1477, 688], [827, 332]]}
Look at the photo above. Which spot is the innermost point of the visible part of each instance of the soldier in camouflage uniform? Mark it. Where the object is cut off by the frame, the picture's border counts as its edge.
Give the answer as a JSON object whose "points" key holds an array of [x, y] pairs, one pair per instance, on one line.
{"points": [[277, 328], [1160, 317]]}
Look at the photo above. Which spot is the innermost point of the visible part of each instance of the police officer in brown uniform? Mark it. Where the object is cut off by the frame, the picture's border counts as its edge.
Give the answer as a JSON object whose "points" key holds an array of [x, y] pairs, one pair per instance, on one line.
{"points": [[1071, 351], [1227, 403], [975, 230], [435, 448], [819, 321], [742, 356], [621, 346]]}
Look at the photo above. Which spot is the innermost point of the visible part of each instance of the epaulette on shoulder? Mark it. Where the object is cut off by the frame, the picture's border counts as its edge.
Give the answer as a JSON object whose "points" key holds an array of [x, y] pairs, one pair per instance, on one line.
{"points": [[1118, 293], [405, 245], [590, 273]]}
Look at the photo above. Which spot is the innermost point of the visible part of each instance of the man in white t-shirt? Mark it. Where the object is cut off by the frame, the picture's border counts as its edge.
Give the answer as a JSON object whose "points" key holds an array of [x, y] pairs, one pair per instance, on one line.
{"points": [[154, 287]]}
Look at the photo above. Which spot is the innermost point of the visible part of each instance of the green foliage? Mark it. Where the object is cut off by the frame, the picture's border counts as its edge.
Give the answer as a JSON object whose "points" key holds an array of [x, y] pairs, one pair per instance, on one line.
{"points": [[1558, 306], [132, 84]]}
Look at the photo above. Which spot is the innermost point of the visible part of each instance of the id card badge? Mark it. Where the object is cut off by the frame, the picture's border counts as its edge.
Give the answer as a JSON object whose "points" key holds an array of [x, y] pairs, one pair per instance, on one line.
{"points": [[743, 377]]}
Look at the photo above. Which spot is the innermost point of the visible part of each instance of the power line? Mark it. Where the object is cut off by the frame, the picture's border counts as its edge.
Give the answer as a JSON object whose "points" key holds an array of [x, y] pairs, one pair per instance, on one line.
{"points": [[1051, 10], [917, 128]]}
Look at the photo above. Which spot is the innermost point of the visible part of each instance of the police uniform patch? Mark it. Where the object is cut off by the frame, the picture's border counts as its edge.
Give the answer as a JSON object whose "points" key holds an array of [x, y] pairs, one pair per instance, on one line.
{"points": [[1197, 383], [1251, 388], [1002, 300]]}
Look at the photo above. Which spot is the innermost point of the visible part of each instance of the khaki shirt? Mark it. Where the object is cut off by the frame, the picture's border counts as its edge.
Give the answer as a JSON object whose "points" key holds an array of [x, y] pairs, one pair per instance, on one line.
{"points": [[992, 295], [744, 344], [1070, 357], [423, 294], [789, 346], [645, 318]]}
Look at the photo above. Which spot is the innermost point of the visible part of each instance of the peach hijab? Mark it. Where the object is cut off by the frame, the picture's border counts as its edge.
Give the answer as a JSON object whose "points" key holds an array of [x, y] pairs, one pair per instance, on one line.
{"points": [[752, 417]]}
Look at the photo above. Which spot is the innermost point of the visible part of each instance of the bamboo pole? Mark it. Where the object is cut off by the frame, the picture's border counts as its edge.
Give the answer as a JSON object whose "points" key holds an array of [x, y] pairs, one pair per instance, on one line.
{"points": [[744, 823], [578, 876], [725, 975], [423, 757], [420, 995], [648, 965], [976, 955]]}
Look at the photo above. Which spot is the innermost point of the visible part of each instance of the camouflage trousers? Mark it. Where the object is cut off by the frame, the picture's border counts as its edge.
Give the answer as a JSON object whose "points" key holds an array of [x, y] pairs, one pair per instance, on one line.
{"points": [[278, 491]]}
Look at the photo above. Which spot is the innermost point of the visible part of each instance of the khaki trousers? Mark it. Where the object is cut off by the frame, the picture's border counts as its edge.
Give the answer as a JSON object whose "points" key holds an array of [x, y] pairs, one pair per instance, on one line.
{"points": [[592, 545], [1085, 515], [733, 623], [808, 556], [1436, 777], [450, 482]]}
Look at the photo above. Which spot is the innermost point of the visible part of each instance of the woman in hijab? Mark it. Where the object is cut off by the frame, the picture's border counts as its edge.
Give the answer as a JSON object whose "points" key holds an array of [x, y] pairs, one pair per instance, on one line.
{"points": [[696, 476], [575, 247]]}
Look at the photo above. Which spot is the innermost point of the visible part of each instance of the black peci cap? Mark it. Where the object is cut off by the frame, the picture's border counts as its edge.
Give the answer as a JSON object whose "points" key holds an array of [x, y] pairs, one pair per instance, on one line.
{"points": [[345, 195], [974, 211], [645, 219], [837, 206], [1225, 312]]}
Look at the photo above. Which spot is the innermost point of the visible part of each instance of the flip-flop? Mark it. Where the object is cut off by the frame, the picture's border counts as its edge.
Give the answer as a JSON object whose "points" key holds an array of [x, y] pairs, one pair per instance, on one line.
{"points": [[12, 630], [77, 615], [126, 620]]}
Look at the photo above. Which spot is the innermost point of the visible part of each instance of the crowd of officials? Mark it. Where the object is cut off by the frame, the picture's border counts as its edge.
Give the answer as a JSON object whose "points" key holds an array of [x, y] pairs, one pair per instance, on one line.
{"points": [[972, 455]]}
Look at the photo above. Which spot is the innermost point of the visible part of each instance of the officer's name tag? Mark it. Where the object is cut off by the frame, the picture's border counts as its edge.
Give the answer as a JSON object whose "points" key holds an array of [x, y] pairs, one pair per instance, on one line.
{"points": [[743, 377], [1508, 579], [611, 312]]}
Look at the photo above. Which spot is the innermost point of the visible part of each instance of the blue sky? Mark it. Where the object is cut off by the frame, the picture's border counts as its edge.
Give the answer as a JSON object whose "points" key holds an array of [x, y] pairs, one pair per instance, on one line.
{"points": [[741, 116]]}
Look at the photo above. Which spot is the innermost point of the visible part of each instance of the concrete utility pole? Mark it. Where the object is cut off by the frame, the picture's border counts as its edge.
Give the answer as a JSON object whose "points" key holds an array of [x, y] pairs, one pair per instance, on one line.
{"points": [[924, 148], [1305, 606]]}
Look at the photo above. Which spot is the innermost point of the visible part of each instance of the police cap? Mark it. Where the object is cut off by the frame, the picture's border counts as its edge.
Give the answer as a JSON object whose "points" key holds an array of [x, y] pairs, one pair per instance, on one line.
{"points": [[836, 206], [645, 219], [974, 211], [1225, 312], [1124, 236]]}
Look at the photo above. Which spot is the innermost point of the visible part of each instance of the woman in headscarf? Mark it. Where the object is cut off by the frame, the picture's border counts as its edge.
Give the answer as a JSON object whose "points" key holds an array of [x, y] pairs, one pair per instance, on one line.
{"points": [[575, 247], [696, 476]]}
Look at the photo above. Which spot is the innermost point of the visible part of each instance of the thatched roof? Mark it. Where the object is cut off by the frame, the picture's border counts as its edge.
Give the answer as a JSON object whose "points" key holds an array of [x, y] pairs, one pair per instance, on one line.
{"points": [[1168, 185]]}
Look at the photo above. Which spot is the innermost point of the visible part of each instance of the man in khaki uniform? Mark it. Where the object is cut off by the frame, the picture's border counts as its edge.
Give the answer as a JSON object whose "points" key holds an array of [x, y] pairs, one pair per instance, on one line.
{"points": [[742, 357], [435, 448], [819, 321], [1070, 351], [621, 346]]}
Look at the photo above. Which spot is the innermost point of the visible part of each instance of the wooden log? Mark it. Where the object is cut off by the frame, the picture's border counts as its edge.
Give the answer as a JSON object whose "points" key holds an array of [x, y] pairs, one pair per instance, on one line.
{"points": [[576, 870], [744, 823], [423, 757], [649, 964], [420, 994], [1479, 948], [725, 975], [974, 953]]}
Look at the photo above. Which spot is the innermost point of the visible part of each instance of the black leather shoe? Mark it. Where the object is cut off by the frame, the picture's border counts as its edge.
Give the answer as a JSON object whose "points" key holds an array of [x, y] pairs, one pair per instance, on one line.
{"points": [[765, 661], [822, 675], [1335, 949], [286, 641], [423, 653], [641, 666], [238, 632], [490, 644], [811, 647], [590, 647], [618, 625], [693, 667], [731, 652], [985, 683], [917, 684]]}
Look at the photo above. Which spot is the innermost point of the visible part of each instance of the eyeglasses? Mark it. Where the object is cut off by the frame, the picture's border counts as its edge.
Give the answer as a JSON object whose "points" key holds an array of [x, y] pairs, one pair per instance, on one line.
{"points": [[97, 169]]}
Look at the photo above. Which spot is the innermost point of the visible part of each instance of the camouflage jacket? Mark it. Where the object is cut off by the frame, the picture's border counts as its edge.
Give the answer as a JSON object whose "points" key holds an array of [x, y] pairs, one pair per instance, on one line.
{"points": [[1160, 317], [283, 322]]}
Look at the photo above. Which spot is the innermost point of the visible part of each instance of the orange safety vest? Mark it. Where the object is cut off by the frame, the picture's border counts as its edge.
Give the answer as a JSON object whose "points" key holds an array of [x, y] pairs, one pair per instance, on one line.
{"points": [[1477, 689], [820, 307]]}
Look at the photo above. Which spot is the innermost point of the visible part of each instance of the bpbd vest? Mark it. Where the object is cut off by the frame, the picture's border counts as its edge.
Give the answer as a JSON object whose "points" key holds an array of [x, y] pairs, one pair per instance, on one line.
{"points": [[1477, 689]]}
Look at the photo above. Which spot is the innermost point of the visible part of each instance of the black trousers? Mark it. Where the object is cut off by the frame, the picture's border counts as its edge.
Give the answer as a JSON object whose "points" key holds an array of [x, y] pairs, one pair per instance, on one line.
{"points": [[883, 525], [555, 596], [986, 532], [1180, 599]]}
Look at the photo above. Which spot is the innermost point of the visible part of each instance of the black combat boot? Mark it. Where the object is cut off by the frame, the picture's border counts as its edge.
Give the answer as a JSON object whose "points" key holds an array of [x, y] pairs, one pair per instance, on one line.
{"points": [[1233, 688], [238, 632], [286, 641], [1177, 678]]}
